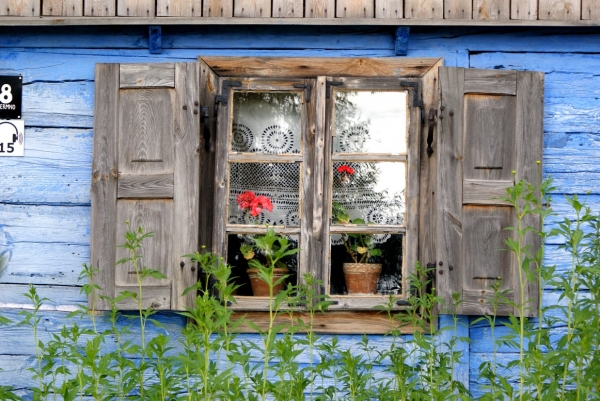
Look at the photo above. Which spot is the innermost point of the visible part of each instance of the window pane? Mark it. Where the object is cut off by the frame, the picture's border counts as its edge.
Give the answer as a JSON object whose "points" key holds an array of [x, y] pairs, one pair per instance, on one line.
{"points": [[278, 182], [239, 262], [370, 122], [390, 247], [373, 192], [266, 122]]}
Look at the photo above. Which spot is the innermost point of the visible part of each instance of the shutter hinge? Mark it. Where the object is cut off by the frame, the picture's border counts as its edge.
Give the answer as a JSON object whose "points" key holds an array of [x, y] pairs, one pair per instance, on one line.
{"points": [[206, 121], [417, 102], [328, 86], [307, 88], [223, 98], [431, 123]]}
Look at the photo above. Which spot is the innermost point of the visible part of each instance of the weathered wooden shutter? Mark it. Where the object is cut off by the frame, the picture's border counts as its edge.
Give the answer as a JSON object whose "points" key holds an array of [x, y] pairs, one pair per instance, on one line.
{"points": [[490, 124], [145, 170]]}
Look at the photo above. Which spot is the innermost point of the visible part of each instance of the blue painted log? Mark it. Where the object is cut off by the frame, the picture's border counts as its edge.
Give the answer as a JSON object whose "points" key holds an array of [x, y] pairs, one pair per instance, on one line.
{"points": [[401, 42]]}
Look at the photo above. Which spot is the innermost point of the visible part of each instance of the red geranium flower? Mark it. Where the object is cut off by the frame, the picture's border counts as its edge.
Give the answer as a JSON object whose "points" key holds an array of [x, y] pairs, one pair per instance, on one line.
{"points": [[345, 169], [245, 200], [259, 203]]}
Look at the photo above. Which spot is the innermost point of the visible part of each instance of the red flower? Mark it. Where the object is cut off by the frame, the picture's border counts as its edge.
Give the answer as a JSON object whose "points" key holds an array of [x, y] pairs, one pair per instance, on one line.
{"points": [[245, 200], [344, 169], [258, 204]]}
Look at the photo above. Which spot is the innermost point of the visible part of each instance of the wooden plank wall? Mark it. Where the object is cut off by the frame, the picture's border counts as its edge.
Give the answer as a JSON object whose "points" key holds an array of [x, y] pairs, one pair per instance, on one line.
{"points": [[498, 10], [45, 196]]}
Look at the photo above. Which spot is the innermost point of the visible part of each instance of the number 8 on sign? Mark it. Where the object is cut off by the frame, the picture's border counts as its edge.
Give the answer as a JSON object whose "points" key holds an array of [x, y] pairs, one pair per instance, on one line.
{"points": [[5, 95]]}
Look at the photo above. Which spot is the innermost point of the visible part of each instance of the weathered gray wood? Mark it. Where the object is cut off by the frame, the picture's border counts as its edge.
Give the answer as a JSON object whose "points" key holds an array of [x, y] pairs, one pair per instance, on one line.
{"points": [[523, 10], [217, 8], [388, 9], [484, 192], [559, 9], [490, 82], [208, 90], [361, 302], [186, 198], [424, 9], [449, 229], [529, 144], [20, 8], [319, 8], [221, 176], [136, 8], [480, 302], [99, 8], [252, 8], [179, 8], [157, 168], [501, 134], [375, 157], [63, 8], [293, 67], [307, 186], [457, 9], [141, 186], [263, 158], [288, 9], [378, 229], [320, 217], [491, 9], [355, 9], [147, 75], [590, 9], [103, 239]]}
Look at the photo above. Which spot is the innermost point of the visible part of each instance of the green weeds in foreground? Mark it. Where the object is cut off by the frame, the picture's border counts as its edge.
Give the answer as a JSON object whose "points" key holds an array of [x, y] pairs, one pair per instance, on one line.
{"points": [[556, 359]]}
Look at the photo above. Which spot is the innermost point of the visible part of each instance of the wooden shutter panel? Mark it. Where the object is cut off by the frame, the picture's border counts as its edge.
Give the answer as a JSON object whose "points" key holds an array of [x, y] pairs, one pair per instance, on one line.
{"points": [[490, 125], [145, 169]]}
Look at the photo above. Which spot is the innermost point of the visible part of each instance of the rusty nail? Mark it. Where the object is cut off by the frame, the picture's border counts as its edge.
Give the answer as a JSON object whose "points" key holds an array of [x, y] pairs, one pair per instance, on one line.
{"points": [[193, 268], [196, 103], [451, 113], [185, 107], [195, 111], [182, 264], [441, 263], [451, 268], [441, 272]]}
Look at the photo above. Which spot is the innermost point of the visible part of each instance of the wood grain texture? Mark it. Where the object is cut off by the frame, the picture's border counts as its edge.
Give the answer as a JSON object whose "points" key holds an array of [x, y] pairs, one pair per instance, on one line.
{"points": [[458, 9], [389, 9], [355, 9], [151, 186], [524, 10], [20, 8], [288, 9], [491, 9], [590, 9], [147, 75], [490, 82], [221, 176], [559, 10], [319, 8], [217, 8], [179, 8], [424, 9], [64, 8], [320, 218], [136, 8], [485, 192], [99, 8], [252, 8], [301, 67]]}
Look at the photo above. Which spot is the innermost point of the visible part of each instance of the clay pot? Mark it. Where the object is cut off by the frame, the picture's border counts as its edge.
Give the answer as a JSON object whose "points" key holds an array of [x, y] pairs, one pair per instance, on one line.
{"points": [[362, 278], [260, 288]]}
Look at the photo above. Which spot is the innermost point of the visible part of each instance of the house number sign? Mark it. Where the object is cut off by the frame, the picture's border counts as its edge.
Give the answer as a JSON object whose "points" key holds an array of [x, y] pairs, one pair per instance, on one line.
{"points": [[12, 128]]}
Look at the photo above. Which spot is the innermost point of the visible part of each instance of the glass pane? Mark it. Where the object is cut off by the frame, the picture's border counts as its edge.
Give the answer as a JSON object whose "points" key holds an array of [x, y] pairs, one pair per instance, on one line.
{"points": [[238, 260], [372, 192], [266, 122], [370, 122], [388, 250], [254, 188]]}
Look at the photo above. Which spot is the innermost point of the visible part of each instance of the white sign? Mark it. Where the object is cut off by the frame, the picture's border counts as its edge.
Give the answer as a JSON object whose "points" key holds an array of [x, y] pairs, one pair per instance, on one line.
{"points": [[12, 137]]}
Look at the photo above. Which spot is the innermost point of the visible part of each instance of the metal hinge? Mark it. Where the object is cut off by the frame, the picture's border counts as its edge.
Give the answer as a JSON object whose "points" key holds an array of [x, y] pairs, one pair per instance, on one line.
{"points": [[431, 123], [417, 102], [307, 88], [328, 86], [223, 98]]}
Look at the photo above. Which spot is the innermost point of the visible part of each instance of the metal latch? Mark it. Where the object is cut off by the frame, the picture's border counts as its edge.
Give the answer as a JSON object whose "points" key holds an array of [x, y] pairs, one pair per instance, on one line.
{"points": [[206, 120], [307, 88], [328, 86], [431, 121]]}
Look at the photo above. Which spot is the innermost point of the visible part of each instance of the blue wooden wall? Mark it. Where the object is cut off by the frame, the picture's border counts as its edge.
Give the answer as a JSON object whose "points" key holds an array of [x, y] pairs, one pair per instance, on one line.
{"points": [[45, 196]]}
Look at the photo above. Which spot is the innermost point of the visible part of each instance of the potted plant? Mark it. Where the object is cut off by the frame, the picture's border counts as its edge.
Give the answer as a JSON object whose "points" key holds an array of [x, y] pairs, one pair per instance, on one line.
{"points": [[264, 252], [361, 276]]}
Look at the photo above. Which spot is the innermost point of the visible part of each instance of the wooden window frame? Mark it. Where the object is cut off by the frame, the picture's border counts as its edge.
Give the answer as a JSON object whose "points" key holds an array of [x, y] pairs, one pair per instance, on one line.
{"points": [[345, 316]]}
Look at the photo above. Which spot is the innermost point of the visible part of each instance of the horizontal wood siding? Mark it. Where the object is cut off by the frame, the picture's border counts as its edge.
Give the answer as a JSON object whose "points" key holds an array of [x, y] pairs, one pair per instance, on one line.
{"points": [[500, 12], [45, 196]]}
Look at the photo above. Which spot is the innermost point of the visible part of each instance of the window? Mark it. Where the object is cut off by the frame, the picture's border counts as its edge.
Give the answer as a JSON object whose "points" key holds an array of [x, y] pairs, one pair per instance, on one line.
{"points": [[308, 134], [356, 182]]}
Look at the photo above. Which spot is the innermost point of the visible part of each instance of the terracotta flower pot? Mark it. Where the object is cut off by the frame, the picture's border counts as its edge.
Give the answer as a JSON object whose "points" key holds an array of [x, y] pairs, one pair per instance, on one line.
{"points": [[260, 288], [362, 278]]}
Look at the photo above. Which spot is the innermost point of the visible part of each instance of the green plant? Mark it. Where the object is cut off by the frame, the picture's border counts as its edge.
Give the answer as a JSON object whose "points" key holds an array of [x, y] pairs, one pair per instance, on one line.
{"points": [[360, 247]]}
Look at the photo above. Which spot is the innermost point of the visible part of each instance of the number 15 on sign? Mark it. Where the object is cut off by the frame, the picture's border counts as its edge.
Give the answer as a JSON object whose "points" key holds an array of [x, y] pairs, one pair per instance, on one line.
{"points": [[12, 137]]}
